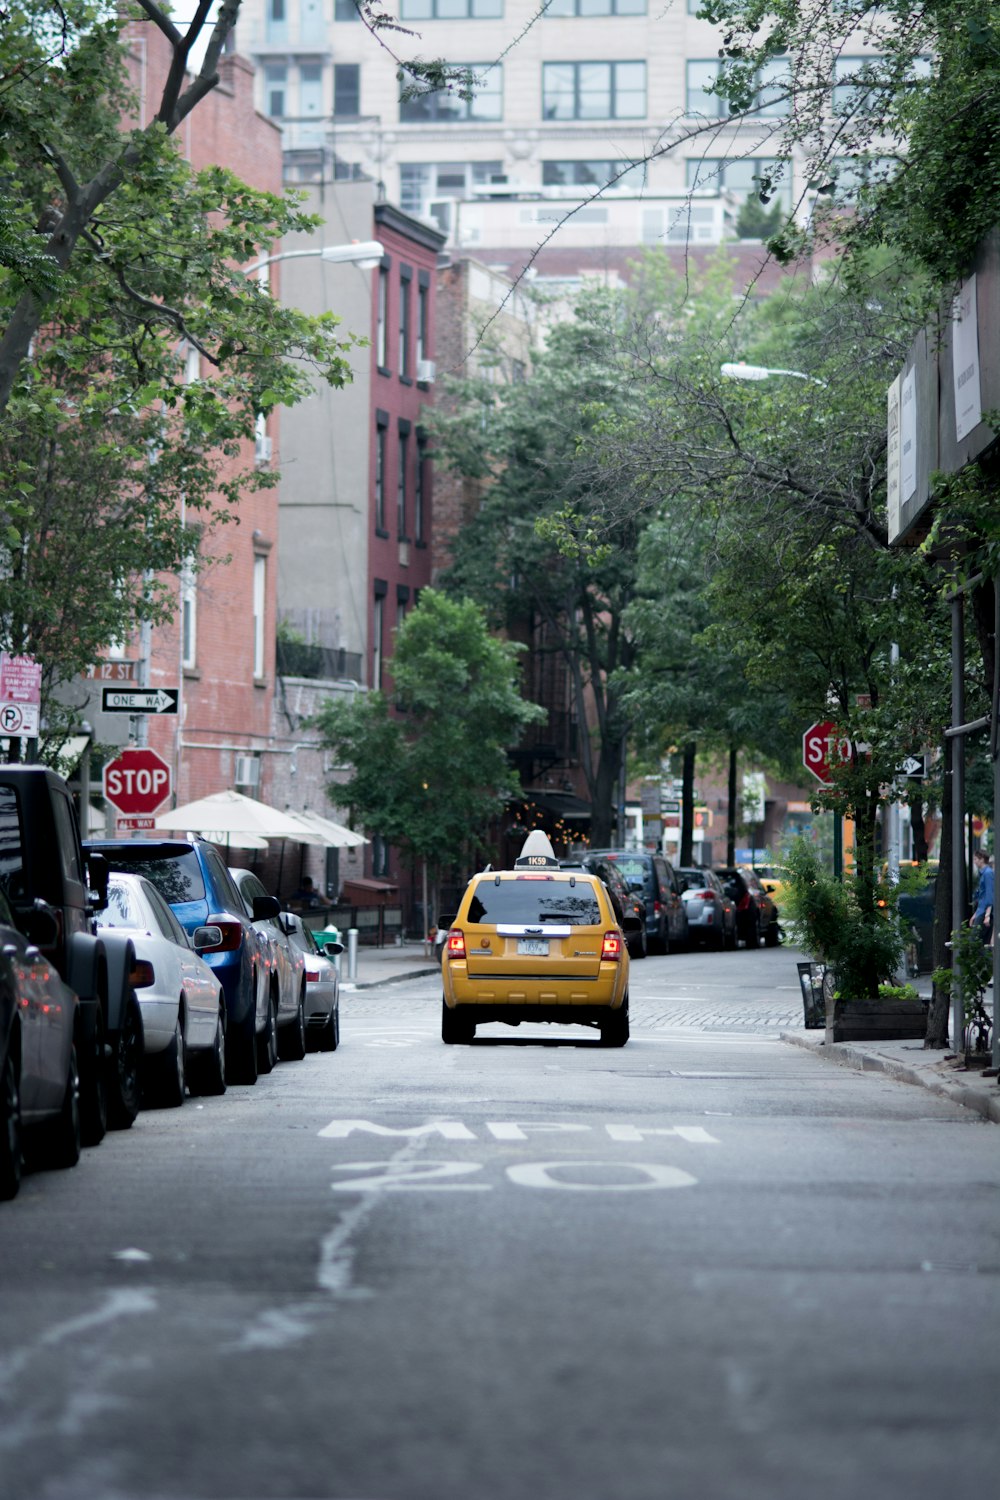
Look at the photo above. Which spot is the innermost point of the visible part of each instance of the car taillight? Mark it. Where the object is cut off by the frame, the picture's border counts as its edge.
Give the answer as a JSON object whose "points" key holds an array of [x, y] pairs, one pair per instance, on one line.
{"points": [[743, 902], [611, 947], [312, 976], [657, 907], [141, 974], [232, 934], [705, 896], [455, 945]]}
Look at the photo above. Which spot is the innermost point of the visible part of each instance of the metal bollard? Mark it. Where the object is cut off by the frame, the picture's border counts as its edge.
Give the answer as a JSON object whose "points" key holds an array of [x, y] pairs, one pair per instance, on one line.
{"points": [[352, 953]]}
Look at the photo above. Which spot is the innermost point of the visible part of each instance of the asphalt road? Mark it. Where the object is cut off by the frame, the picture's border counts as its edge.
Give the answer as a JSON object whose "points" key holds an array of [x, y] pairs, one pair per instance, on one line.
{"points": [[704, 1266]]}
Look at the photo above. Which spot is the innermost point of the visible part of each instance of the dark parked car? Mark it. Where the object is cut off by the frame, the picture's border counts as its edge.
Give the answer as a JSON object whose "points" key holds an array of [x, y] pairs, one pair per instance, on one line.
{"points": [[917, 910], [192, 878], [711, 913], [39, 1074], [623, 898], [653, 877], [756, 913]]}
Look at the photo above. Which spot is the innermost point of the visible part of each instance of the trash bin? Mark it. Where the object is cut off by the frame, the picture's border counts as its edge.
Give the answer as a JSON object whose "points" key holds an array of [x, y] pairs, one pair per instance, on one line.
{"points": [[811, 976]]}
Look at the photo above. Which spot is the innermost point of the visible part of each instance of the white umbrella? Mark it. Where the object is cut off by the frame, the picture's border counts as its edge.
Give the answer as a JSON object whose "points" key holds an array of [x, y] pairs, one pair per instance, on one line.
{"points": [[331, 835], [234, 840], [224, 814]]}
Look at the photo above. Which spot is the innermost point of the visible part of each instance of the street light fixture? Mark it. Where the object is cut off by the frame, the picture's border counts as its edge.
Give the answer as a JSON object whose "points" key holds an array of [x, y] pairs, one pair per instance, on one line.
{"points": [[742, 371], [366, 254]]}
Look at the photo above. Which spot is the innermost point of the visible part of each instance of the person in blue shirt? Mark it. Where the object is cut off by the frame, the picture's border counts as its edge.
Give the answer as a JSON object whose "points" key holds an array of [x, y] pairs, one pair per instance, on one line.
{"points": [[982, 915]]}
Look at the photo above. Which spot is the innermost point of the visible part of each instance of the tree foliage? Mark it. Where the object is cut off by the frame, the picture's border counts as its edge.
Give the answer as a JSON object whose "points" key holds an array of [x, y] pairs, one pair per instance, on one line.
{"points": [[428, 764]]}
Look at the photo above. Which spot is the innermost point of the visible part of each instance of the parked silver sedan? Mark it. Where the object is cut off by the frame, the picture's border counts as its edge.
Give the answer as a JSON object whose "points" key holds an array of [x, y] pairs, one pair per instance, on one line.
{"points": [[180, 998], [711, 913], [287, 970], [319, 954]]}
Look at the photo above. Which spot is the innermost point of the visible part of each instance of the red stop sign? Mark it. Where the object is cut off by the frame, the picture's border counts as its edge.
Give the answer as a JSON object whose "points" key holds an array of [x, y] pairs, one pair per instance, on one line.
{"points": [[823, 747], [137, 782]]}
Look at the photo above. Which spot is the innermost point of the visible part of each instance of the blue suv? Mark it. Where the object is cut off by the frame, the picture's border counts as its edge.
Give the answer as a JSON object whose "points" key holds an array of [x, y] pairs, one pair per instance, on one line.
{"points": [[192, 878]]}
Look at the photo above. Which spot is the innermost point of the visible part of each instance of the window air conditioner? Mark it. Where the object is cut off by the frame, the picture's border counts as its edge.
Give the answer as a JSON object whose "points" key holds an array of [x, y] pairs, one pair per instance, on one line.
{"points": [[247, 771], [425, 371], [262, 449]]}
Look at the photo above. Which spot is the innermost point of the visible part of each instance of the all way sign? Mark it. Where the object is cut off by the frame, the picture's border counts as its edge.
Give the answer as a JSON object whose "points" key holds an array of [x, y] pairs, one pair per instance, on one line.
{"points": [[139, 700]]}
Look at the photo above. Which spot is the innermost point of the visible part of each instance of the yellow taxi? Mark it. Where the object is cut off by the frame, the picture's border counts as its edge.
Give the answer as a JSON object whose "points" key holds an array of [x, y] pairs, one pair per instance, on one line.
{"points": [[536, 943]]}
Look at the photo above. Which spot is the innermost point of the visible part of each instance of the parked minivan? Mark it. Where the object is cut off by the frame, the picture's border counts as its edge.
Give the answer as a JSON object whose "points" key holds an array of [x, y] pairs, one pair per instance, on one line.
{"points": [[653, 876]]}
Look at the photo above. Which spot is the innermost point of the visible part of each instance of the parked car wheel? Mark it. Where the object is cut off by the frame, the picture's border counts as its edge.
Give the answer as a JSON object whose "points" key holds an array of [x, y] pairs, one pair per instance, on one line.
{"points": [[124, 1070], [241, 1043], [753, 931], [639, 946], [208, 1069], [166, 1073], [615, 1026], [63, 1135], [267, 1042], [455, 1028], [11, 1138], [292, 1039], [328, 1039], [772, 937]]}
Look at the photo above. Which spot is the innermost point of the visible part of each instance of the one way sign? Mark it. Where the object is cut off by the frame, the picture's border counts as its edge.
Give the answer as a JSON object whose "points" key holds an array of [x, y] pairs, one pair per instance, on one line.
{"points": [[139, 700], [912, 766]]}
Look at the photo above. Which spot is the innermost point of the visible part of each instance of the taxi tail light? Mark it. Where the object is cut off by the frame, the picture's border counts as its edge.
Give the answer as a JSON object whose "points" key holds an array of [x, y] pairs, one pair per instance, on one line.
{"points": [[232, 934], [455, 944], [141, 974], [611, 947]]}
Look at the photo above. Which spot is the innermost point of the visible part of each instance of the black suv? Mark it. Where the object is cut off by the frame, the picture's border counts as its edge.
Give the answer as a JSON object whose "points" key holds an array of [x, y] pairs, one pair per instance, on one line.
{"points": [[191, 876], [652, 877], [756, 913]]}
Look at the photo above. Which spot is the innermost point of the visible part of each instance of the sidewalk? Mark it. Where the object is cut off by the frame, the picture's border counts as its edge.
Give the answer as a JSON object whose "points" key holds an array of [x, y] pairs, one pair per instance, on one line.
{"points": [[388, 965], [907, 1062]]}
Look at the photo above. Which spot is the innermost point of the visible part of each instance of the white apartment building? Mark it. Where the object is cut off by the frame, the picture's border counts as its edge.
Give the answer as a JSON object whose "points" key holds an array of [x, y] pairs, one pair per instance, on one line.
{"points": [[592, 93]]}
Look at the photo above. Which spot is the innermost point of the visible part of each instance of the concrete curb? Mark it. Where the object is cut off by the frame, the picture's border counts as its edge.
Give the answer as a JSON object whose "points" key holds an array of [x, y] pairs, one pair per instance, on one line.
{"points": [[847, 1056], [370, 984]]}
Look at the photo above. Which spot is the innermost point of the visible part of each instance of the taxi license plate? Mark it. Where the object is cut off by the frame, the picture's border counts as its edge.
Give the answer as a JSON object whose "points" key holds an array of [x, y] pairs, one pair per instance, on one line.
{"points": [[533, 947]]}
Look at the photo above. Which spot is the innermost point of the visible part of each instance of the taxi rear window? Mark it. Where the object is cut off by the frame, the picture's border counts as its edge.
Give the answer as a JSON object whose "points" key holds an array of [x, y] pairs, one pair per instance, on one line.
{"points": [[534, 902]]}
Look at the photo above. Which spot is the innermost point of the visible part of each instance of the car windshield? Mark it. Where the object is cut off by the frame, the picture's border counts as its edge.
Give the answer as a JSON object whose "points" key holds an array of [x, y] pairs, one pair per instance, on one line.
{"points": [[177, 877], [535, 902]]}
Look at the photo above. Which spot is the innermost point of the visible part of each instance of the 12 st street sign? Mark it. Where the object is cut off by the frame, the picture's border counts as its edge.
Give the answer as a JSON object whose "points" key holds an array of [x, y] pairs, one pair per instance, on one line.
{"points": [[139, 700]]}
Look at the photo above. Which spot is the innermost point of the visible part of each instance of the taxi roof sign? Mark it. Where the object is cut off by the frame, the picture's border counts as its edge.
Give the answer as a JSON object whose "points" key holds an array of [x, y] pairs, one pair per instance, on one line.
{"points": [[537, 853]]}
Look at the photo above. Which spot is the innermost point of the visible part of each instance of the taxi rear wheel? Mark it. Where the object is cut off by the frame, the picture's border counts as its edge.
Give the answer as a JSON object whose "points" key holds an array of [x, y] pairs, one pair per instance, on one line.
{"points": [[455, 1027], [615, 1026]]}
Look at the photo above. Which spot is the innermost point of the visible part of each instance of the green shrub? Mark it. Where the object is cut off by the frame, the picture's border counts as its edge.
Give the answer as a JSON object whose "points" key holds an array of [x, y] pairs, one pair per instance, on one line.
{"points": [[853, 929]]}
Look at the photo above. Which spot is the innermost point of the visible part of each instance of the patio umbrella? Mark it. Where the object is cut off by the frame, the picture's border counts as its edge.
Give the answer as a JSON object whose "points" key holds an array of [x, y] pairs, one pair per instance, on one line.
{"points": [[224, 815], [327, 833]]}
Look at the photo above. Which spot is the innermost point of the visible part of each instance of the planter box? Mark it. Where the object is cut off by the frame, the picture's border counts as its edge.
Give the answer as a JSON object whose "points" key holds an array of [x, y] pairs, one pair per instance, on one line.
{"points": [[875, 1020]]}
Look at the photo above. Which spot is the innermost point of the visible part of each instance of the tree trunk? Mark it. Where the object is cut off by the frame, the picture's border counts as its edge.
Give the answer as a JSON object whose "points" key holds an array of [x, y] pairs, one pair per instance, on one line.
{"points": [[604, 792], [731, 813], [918, 828], [939, 1013], [687, 804]]}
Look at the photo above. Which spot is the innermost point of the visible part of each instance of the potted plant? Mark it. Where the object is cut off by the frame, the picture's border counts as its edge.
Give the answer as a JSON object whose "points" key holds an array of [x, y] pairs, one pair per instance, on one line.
{"points": [[972, 967], [852, 927]]}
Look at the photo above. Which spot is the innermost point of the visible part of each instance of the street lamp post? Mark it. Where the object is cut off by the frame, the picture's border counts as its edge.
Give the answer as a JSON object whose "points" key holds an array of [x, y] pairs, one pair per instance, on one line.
{"points": [[366, 254], [743, 371]]}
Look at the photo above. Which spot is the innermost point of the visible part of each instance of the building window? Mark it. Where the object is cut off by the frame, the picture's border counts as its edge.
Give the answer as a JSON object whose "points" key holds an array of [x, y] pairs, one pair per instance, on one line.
{"points": [[189, 614], [594, 174], [346, 90], [718, 175], [421, 182], [275, 86], [276, 21], [382, 319], [855, 90], [311, 28], [310, 105], [259, 609], [382, 421], [702, 75], [402, 603], [774, 85], [597, 7], [445, 105], [345, 10], [423, 325], [404, 447], [594, 91], [404, 323], [378, 628], [419, 482], [450, 10]]}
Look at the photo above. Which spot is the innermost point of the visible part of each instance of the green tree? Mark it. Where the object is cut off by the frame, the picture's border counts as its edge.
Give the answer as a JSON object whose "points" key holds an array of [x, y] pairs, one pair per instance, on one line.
{"points": [[428, 763]]}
